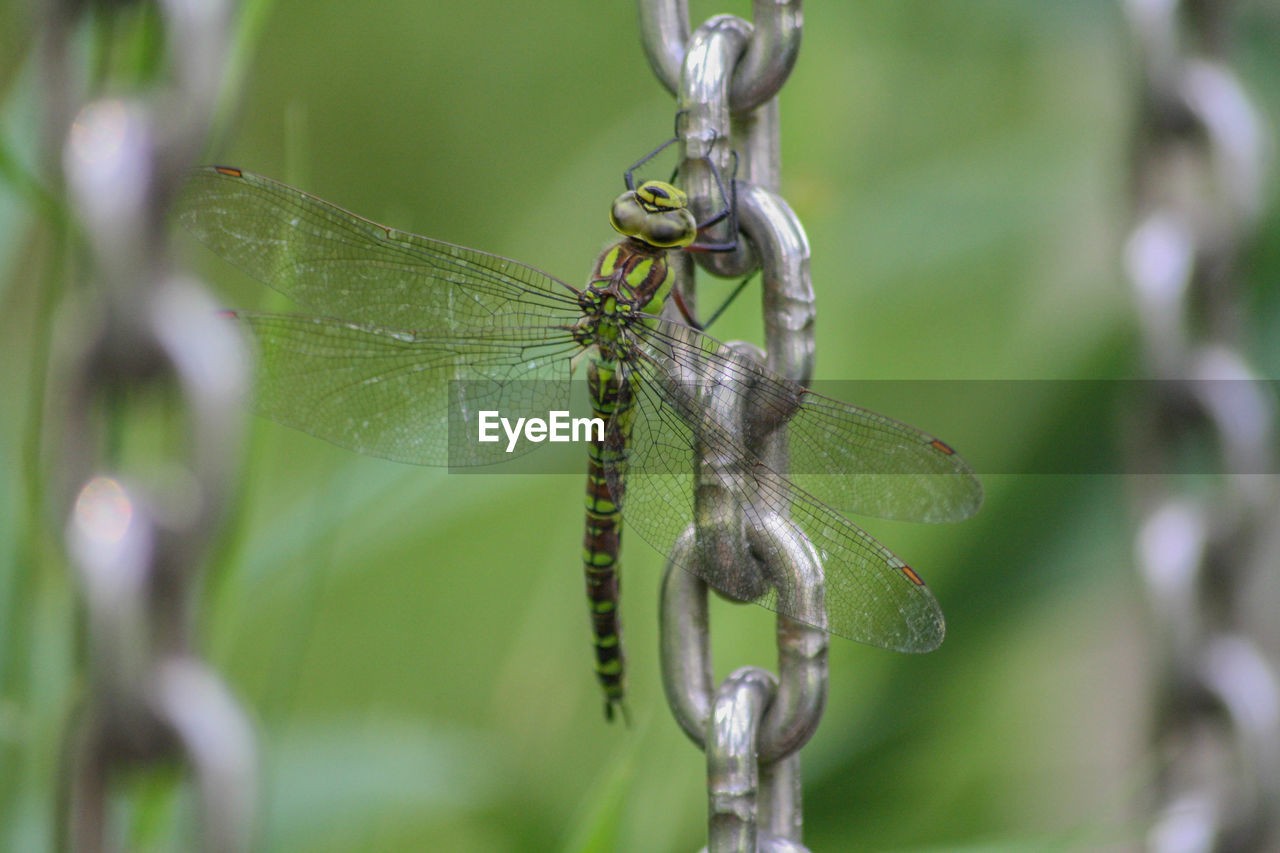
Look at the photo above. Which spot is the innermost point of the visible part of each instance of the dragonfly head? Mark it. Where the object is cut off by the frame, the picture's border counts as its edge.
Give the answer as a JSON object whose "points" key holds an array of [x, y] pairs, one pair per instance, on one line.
{"points": [[655, 213]]}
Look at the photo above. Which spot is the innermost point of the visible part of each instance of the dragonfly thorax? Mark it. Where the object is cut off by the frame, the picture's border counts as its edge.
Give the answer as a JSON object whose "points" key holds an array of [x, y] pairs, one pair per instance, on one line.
{"points": [[656, 214], [629, 282]]}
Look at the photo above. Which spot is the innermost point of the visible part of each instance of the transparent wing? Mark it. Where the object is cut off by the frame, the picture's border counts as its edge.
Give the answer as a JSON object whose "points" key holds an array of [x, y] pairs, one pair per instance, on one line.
{"points": [[871, 595], [869, 598], [851, 458], [406, 396], [338, 264]]}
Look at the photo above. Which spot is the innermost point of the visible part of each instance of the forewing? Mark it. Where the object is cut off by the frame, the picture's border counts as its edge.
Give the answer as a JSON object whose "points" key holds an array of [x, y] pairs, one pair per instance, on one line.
{"points": [[851, 458], [871, 596], [335, 263]]}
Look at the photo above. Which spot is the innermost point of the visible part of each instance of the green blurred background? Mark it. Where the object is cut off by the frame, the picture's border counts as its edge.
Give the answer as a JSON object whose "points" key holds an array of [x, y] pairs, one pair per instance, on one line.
{"points": [[413, 645]]}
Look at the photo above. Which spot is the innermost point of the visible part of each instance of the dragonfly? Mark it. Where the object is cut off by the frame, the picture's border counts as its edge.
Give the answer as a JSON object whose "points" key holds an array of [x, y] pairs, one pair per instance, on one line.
{"points": [[410, 339]]}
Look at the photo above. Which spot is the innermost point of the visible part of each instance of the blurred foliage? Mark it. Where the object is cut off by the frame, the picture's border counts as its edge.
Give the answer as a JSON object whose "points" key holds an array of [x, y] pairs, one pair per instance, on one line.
{"points": [[413, 644]]}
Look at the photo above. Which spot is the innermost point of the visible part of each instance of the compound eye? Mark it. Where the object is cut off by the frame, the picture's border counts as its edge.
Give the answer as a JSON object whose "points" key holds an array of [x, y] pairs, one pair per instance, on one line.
{"points": [[628, 215], [670, 229]]}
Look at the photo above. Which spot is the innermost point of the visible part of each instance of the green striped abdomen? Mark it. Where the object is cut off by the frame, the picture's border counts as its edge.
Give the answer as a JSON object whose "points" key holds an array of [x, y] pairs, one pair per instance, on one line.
{"points": [[611, 401]]}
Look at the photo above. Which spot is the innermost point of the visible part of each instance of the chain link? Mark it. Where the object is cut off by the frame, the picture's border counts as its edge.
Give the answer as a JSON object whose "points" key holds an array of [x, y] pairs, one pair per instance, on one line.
{"points": [[149, 349], [725, 75], [1199, 174]]}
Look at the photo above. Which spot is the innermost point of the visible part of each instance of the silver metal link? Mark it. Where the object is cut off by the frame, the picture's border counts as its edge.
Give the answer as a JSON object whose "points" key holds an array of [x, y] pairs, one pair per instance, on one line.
{"points": [[138, 530], [664, 32], [770, 224], [794, 715], [725, 75], [770, 55], [706, 136], [753, 805], [765, 63], [685, 644], [687, 670], [1200, 171], [733, 775], [757, 139]]}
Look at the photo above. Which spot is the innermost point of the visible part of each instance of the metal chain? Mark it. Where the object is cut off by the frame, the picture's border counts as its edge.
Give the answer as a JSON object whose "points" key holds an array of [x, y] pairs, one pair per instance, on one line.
{"points": [[726, 75], [140, 521], [1202, 547]]}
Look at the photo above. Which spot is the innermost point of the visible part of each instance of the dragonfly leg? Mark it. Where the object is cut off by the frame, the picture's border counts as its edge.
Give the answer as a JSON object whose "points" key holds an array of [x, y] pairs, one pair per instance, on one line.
{"points": [[628, 176], [715, 315], [728, 211]]}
